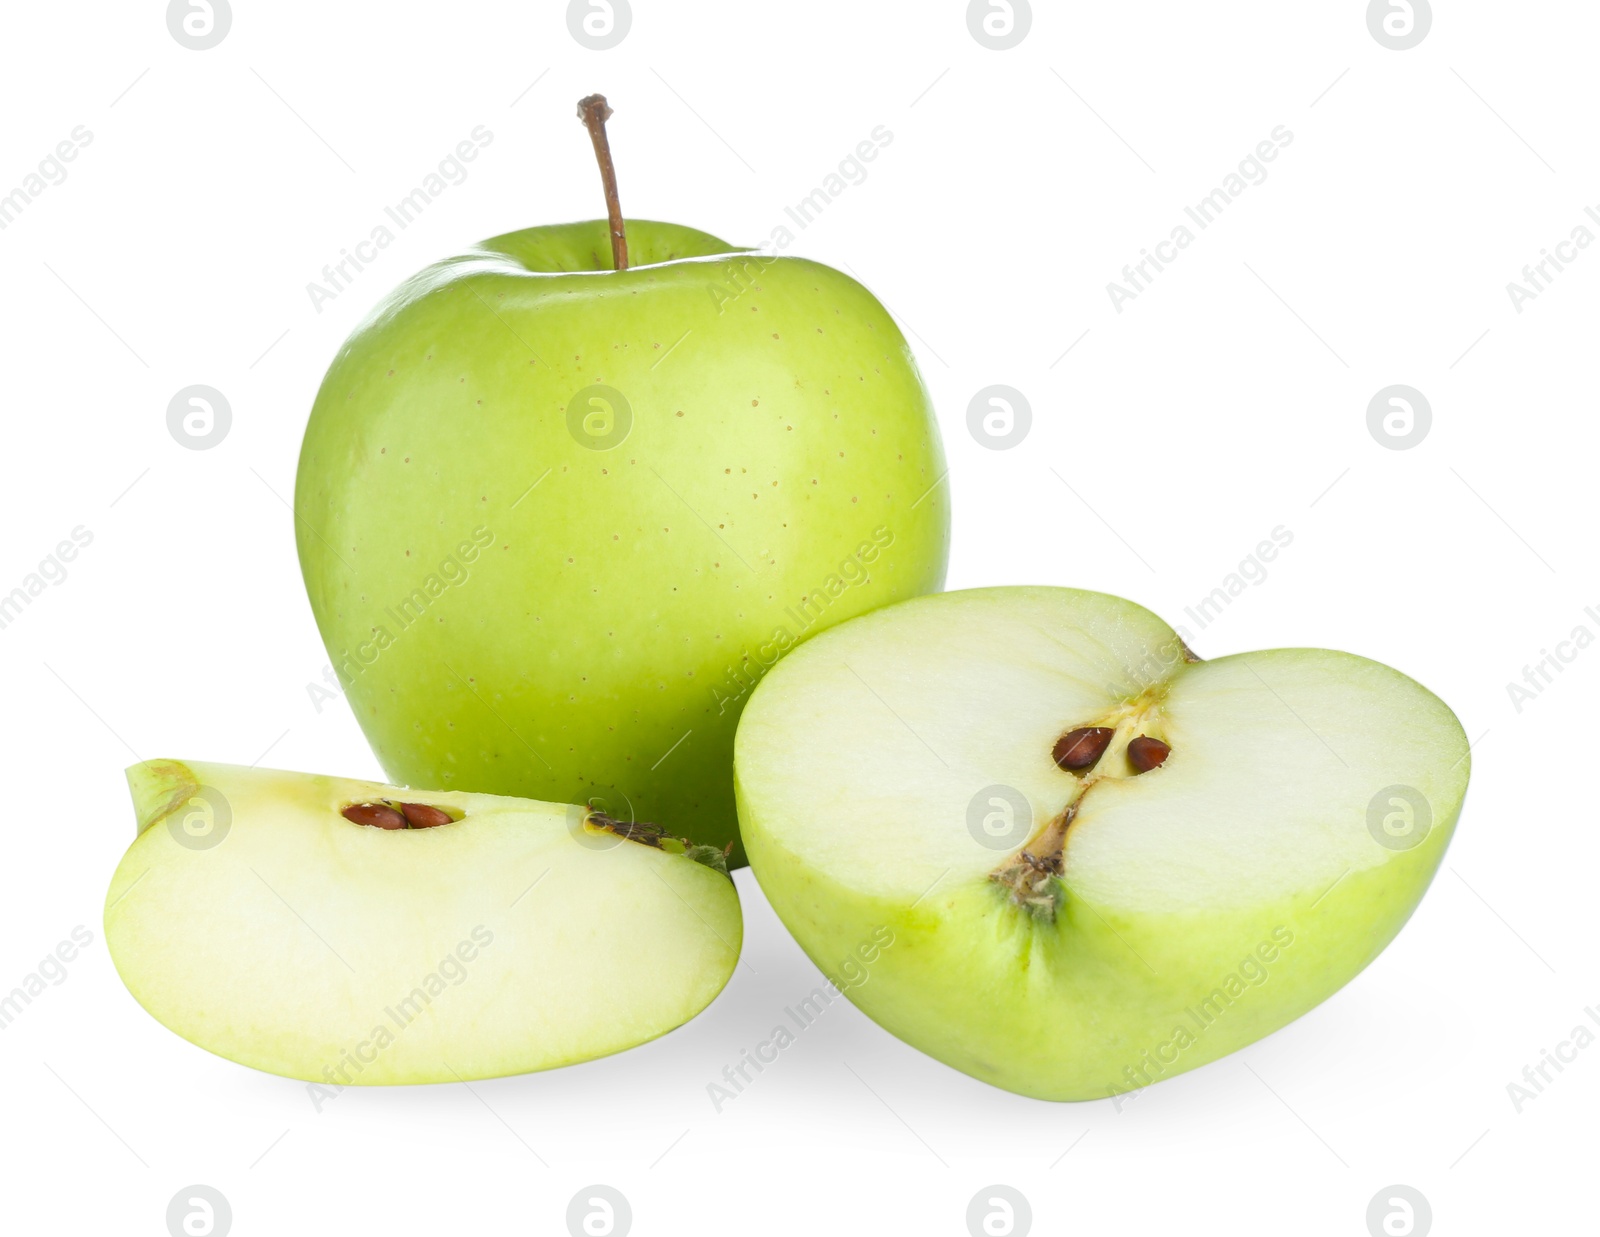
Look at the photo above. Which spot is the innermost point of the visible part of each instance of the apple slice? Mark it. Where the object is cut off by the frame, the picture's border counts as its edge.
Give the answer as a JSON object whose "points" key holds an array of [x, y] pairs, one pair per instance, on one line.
{"points": [[1060, 853], [348, 932]]}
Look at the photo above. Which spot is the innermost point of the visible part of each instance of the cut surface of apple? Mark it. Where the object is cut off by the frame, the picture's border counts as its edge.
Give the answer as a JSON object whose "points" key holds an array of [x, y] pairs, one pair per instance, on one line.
{"points": [[447, 936], [1102, 861]]}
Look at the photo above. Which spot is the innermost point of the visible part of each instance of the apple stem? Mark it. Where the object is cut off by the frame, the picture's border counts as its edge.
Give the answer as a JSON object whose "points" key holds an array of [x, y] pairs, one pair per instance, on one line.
{"points": [[594, 111]]}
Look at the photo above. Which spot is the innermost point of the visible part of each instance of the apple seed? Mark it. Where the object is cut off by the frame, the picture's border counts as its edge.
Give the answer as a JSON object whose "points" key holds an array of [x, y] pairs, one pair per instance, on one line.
{"points": [[374, 814], [1145, 753], [424, 815], [1080, 748]]}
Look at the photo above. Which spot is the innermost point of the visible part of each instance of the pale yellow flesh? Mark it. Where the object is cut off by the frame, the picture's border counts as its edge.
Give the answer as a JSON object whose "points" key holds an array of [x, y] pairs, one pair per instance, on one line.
{"points": [[512, 940], [859, 756]]}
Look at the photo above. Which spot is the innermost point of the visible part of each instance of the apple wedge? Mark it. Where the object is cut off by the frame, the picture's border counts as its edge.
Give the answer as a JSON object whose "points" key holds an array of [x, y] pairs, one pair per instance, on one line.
{"points": [[1057, 851], [349, 932]]}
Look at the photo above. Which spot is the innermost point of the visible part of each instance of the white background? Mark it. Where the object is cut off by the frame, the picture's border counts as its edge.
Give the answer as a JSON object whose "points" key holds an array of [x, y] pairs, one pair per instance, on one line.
{"points": [[1228, 399]]}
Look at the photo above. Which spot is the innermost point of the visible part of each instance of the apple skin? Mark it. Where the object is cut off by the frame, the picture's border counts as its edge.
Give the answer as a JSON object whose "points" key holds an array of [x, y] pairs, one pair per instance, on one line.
{"points": [[584, 625], [1089, 1011]]}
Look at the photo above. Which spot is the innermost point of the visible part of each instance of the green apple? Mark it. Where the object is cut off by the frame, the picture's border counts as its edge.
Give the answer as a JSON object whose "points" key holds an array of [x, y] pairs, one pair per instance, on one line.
{"points": [[1030, 833], [556, 519], [349, 932]]}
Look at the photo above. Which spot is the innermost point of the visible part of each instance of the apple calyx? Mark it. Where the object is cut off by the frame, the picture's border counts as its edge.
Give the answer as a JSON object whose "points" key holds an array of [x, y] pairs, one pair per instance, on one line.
{"points": [[658, 838], [1032, 875], [594, 111], [390, 814]]}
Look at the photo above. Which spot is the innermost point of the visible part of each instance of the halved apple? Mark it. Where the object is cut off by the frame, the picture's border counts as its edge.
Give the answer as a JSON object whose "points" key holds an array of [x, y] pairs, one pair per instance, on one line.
{"points": [[1046, 844], [349, 932]]}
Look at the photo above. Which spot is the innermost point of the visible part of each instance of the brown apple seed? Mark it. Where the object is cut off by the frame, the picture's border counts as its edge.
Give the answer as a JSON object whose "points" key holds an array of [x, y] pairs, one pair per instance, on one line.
{"points": [[1145, 753], [425, 815], [1080, 748], [374, 814]]}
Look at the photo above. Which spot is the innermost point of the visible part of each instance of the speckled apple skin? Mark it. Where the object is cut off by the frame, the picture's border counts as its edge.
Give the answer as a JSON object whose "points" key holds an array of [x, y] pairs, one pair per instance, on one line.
{"points": [[520, 600]]}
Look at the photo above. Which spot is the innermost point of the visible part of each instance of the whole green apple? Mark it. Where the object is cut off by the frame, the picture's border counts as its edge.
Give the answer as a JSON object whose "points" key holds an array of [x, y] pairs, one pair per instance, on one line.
{"points": [[1030, 833], [557, 519]]}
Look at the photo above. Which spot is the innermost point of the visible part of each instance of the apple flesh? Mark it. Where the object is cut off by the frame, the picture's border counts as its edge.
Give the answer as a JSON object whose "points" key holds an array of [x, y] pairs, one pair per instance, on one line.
{"points": [[254, 916], [556, 520], [1070, 923]]}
